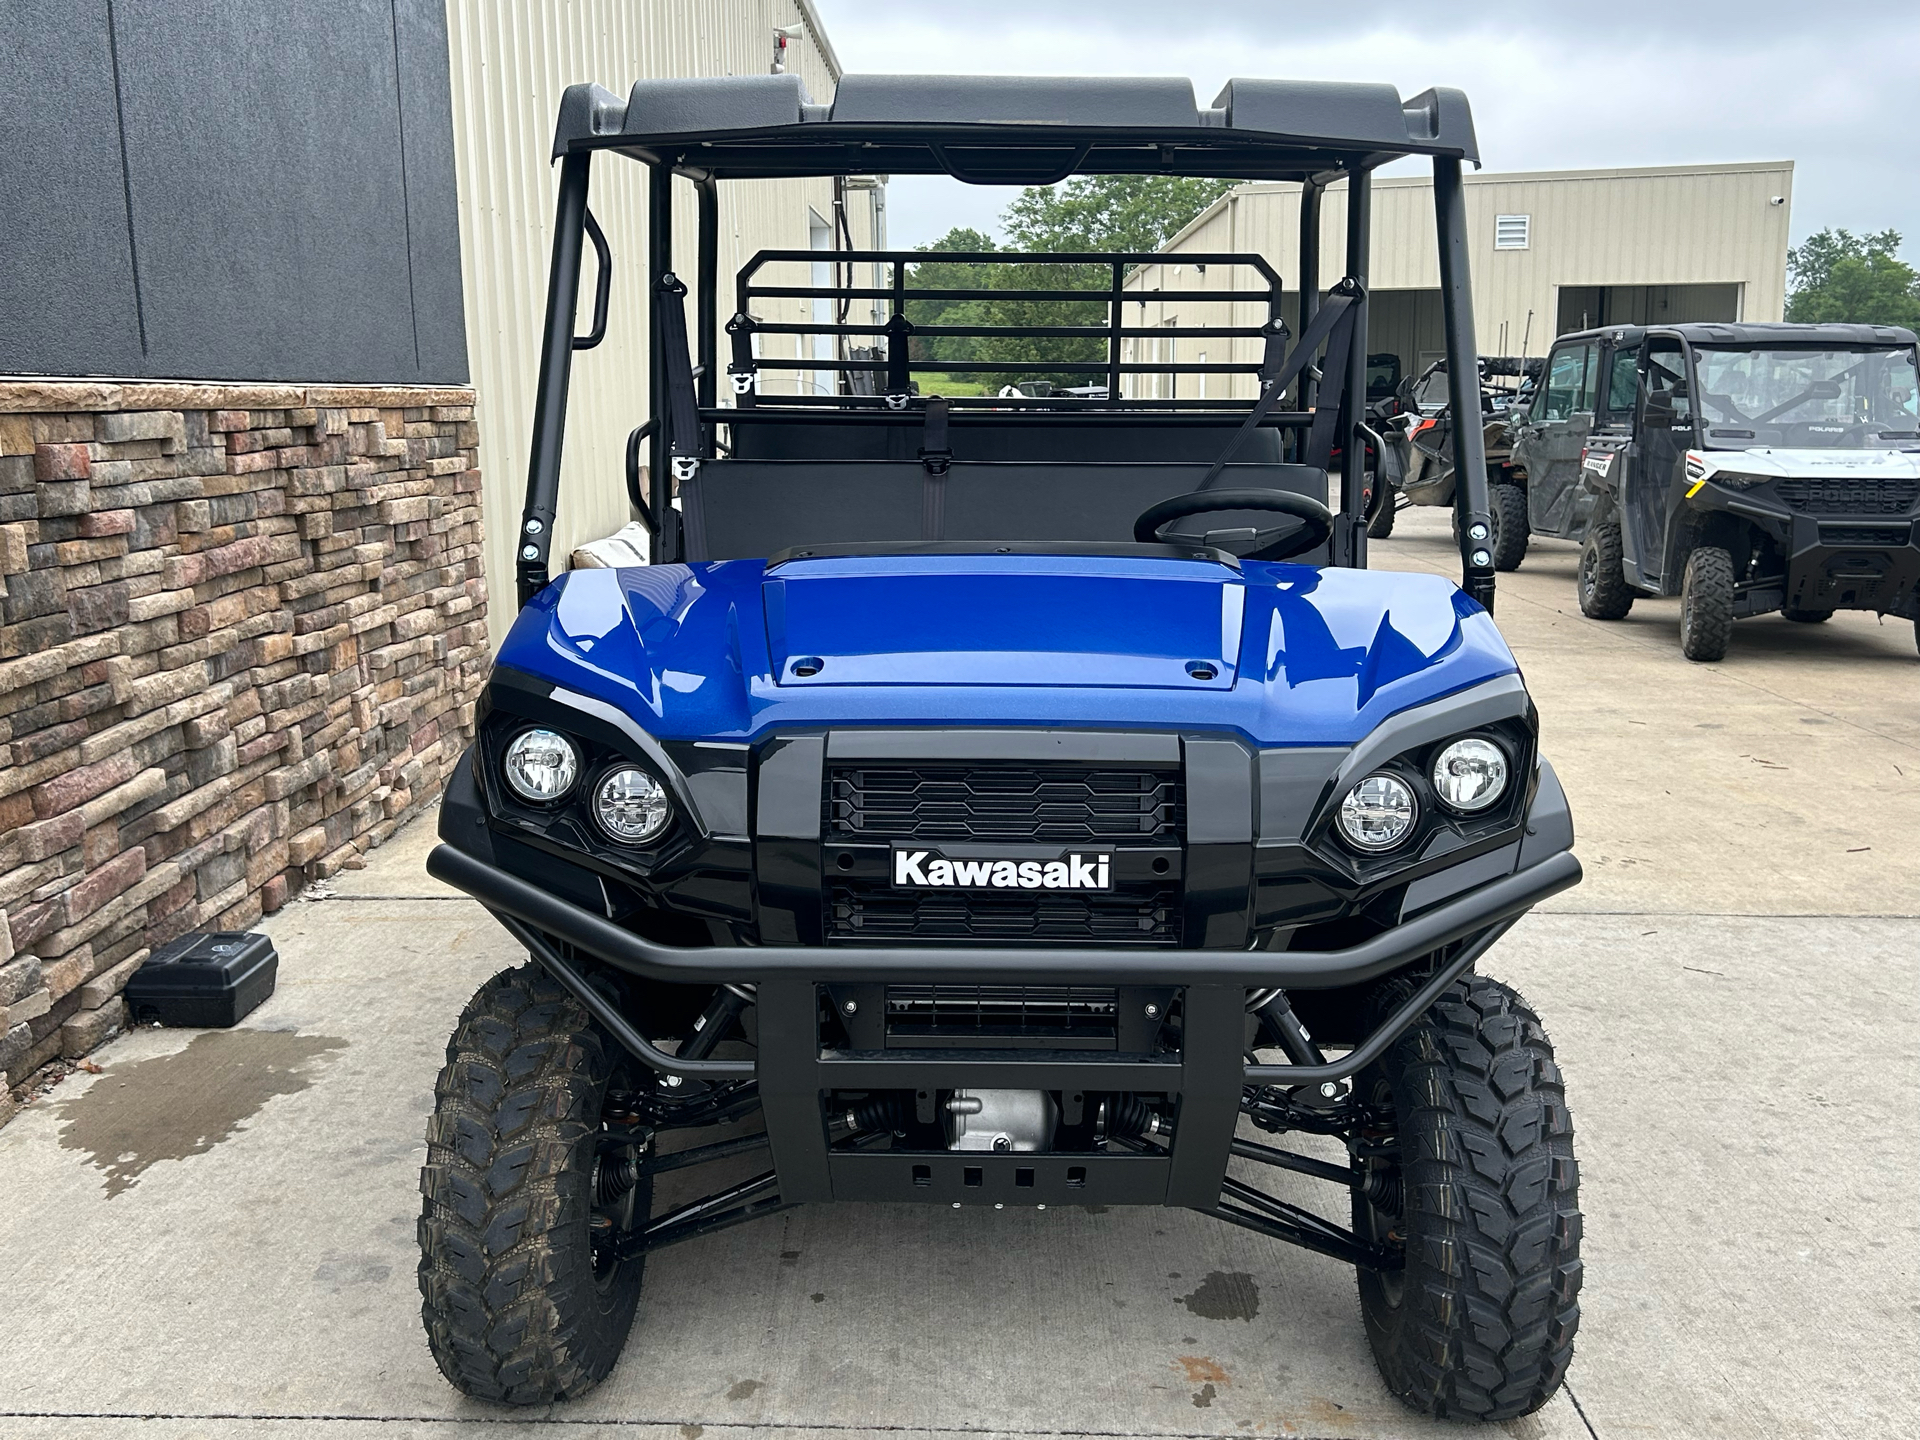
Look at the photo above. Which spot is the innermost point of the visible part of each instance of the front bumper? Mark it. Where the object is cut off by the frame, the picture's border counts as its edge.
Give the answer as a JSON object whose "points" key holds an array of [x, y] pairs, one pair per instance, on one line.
{"points": [[1208, 1076], [1831, 560], [507, 895]]}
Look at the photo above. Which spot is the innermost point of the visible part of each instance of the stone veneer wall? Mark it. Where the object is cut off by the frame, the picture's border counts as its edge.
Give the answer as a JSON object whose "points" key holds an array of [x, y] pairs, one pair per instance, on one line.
{"points": [[242, 633]]}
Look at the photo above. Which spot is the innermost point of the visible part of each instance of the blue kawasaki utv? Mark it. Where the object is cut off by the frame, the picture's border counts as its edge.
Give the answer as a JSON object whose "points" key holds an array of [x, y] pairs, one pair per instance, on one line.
{"points": [[1023, 799]]}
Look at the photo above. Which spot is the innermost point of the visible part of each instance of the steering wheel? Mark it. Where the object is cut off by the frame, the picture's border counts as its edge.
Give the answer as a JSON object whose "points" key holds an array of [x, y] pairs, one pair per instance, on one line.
{"points": [[1316, 520]]}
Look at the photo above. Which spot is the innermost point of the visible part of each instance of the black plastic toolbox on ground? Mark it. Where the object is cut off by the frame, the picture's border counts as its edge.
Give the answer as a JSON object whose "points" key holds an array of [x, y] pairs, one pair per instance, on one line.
{"points": [[206, 980]]}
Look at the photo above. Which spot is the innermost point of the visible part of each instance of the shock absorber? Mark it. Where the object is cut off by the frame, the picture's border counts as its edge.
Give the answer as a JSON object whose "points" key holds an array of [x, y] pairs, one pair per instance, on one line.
{"points": [[1293, 1036], [1300, 1049], [708, 1031]]}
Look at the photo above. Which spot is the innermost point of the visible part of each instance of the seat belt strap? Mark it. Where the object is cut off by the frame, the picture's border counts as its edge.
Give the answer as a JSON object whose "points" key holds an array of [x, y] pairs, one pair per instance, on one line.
{"points": [[1326, 400], [936, 457], [1327, 321], [686, 440]]}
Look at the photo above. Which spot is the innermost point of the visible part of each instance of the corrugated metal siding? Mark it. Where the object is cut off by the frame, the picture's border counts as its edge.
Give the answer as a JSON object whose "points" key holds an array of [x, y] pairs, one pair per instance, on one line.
{"points": [[510, 61], [1683, 225]]}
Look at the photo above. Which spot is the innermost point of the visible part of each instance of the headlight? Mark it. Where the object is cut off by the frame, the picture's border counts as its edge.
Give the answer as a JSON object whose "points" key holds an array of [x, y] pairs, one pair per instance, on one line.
{"points": [[541, 765], [630, 805], [1734, 480], [1470, 775], [1377, 814]]}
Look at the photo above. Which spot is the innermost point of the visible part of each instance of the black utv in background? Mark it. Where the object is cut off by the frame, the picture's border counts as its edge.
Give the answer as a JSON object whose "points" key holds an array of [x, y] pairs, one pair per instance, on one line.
{"points": [[1416, 426], [1587, 382], [1747, 468]]}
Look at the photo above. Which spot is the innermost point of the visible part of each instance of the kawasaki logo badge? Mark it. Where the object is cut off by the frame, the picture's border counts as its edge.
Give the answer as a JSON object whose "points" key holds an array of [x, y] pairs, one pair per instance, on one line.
{"points": [[930, 870]]}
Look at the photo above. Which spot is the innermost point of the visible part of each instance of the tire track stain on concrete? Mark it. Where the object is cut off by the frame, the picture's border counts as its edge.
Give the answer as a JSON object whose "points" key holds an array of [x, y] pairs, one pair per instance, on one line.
{"points": [[173, 1106]]}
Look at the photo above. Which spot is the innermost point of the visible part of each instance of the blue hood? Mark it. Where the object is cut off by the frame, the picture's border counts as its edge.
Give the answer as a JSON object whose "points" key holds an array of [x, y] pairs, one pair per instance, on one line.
{"points": [[1281, 654]]}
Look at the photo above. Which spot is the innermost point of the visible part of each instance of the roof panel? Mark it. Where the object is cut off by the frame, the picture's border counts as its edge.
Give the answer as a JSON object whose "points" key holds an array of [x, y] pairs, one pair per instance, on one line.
{"points": [[1756, 332], [1369, 113], [1079, 100], [743, 125]]}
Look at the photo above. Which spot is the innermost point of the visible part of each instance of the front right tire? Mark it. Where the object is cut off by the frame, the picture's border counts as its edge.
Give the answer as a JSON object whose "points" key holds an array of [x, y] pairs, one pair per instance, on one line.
{"points": [[1706, 604], [1480, 1323], [523, 1294]]}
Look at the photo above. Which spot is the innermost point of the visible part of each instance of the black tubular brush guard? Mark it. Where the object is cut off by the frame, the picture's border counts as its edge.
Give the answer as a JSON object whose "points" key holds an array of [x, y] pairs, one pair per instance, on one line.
{"points": [[539, 918], [1211, 1077]]}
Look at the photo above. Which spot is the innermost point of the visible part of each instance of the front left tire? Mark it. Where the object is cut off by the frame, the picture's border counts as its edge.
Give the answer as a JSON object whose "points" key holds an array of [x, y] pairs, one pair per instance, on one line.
{"points": [[1602, 582], [524, 1296], [1480, 1323]]}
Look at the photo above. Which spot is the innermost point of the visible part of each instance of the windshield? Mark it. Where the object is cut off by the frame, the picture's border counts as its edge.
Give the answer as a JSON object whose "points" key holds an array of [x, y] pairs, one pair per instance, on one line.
{"points": [[1813, 399]]}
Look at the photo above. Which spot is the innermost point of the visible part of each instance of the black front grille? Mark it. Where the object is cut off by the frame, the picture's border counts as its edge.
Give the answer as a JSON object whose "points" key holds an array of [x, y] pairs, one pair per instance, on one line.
{"points": [[1136, 915], [1836, 495], [1066, 1016], [1068, 803], [1867, 535]]}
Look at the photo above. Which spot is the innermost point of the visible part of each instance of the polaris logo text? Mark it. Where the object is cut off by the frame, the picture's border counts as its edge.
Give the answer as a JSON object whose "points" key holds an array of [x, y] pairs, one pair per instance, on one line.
{"points": [[925, 869]]}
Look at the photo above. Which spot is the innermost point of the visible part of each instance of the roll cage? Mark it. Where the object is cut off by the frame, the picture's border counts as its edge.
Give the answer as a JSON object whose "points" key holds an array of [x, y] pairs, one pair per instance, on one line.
{"points": [[996, 130]]}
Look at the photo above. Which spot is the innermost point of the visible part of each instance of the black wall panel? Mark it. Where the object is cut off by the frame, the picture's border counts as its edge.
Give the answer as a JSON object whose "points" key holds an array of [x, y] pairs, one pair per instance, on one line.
{"points": [[288, 171], [67, 303]]}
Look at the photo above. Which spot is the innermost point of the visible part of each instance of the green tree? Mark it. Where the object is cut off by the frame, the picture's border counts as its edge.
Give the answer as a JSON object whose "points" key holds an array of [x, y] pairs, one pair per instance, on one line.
{"points": [[937, 274], [1136, 213], [1108, 212], [1837, 275]]}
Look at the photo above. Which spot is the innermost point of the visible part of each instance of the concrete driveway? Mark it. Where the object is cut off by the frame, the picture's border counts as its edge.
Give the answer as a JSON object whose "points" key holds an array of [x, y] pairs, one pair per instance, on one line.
{"points": [[214, 1236]]}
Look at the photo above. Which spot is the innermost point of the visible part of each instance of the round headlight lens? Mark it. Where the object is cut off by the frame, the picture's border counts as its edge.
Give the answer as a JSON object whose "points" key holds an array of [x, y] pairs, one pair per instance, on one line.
{"points": [[1377, 814], [541, 765], [630, 805], [1470, 775]]}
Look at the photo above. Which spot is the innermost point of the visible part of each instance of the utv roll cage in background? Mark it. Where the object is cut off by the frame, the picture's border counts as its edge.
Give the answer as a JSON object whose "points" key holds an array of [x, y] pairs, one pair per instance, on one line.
{"points": [[1002, 131]]}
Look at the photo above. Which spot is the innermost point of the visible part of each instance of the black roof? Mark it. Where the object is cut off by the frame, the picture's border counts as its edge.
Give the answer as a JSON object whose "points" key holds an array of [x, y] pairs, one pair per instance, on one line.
{"points": [[1754, 333], [1014, 129]]}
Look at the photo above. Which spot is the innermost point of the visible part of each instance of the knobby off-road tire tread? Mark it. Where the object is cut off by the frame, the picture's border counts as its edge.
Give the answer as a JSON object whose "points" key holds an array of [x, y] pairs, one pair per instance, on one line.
{"points": [[1509, 506], [1608, 597], [1380, 522], [1490, 1298], [506, 1265], [1706, 604]]}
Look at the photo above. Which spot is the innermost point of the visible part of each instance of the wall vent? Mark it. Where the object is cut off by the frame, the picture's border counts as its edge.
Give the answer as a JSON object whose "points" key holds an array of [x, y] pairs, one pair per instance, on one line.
{"points": [[1511, 232]]}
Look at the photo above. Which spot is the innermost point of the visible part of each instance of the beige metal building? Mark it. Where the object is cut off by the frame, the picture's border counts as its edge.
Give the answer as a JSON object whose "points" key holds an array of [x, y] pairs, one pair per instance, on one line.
{"points": [[1551, 251], [510, 61]]}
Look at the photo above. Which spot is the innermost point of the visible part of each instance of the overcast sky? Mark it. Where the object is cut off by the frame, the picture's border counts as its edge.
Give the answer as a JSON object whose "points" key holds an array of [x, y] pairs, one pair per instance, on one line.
{"points": [[1833, 86]]}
